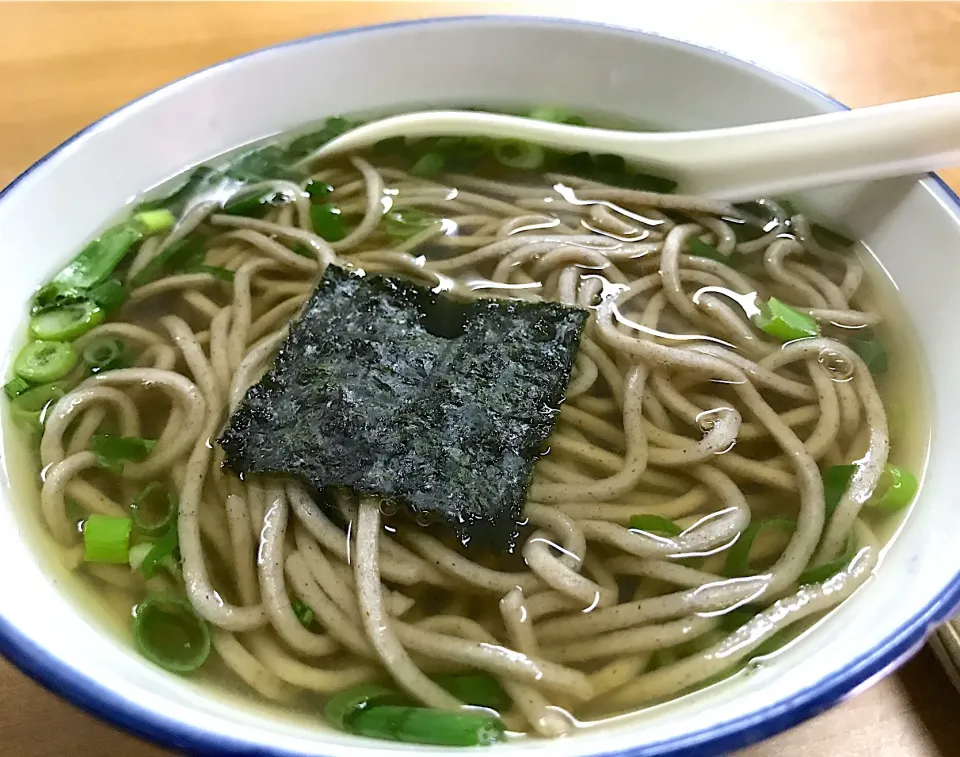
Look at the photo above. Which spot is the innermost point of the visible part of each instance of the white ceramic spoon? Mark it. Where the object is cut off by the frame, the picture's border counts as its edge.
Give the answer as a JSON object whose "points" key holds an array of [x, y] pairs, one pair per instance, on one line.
{"points": [[732, 163]]}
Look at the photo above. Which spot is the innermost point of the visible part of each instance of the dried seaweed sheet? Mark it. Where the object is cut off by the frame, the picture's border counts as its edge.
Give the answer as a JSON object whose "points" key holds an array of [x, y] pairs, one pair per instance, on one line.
{"points": [[437, 403]]}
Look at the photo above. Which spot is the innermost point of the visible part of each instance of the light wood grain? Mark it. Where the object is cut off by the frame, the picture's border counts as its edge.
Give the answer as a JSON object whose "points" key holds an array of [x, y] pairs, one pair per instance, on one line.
{"points": [[64, 65]]}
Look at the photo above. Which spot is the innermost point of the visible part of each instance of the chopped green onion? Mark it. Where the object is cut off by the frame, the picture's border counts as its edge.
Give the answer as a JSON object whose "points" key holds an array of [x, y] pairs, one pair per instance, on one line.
{"points": [[327, 222], [15, 387], [654, 524], [610, 164], [306, 144], [154, 509], [557, 116], [738, 557], [701, 249], [739, 617], [317, 189], [344, 705], [174, 257], [253, 206], [109, 295], [113, 451], [161, 552], [830, 238], [734, 619], [441, 153], [515, 153], [777, 641], [428, 165], [224, 274], [779, 320], [836, 479], [155, 221], [895, 490], [646, 182], [66, 323], [41, 362], [29, 409], [419, 725], [788, 207], [168, 632], [93, 265], [391, 146], [106, 538], [177, 201], [304, 612], [138, 552], [610, 169], [263, 164], [821, 573], [403, 224], [477, 689], [872, 351], [105, 354], [577, 163]]}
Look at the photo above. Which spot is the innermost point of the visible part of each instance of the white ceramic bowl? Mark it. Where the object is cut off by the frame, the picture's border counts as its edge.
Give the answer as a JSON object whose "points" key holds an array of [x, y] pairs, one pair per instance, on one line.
{"points": [[46, 625]]}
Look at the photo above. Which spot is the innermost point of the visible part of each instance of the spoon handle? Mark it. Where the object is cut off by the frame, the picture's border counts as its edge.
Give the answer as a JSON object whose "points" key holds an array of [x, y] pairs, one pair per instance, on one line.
{"points": [[897, 139]]}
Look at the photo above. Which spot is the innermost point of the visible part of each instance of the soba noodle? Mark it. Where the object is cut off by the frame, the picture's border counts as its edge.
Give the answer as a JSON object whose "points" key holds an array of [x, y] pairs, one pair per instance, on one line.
{"points": [[678, 408]]}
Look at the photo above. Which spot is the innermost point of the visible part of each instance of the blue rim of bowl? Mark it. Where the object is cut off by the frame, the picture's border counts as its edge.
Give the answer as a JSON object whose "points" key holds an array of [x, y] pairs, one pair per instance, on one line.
{"points": [[97, 700]]}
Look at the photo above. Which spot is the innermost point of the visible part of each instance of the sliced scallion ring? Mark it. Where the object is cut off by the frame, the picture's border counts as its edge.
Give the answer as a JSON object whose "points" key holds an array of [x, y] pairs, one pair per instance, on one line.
{"points": [[169, 633], [41, 362], [515, 153], [154, 509], [66, 323], [104, 354]]}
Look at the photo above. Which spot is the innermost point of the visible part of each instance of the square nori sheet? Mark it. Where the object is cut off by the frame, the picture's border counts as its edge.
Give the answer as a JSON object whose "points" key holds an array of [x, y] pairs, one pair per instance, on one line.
{"points": [[433, 402]]}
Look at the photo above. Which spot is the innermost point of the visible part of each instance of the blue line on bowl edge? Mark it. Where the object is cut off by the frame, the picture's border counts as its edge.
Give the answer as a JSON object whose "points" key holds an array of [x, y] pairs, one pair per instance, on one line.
{"points": [[97, 700]]}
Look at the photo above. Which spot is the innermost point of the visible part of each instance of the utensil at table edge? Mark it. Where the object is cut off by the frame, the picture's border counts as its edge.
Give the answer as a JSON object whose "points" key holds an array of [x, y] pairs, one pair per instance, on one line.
{"points": [[731, 163]]}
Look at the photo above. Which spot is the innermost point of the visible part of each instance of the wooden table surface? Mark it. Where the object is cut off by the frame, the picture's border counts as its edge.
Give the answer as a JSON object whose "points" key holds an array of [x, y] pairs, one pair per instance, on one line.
{"points": [[64, 65]]}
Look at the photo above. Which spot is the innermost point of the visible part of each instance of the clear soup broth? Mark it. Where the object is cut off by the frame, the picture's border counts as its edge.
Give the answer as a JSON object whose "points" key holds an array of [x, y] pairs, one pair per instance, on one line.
{"points": [[731, 453]]}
